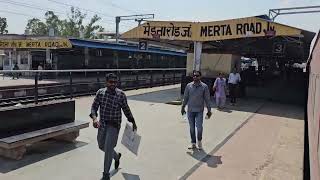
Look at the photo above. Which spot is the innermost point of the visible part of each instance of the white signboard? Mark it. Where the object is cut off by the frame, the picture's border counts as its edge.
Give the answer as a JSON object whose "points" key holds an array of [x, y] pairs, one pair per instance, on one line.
{"points": [[131, 140]]}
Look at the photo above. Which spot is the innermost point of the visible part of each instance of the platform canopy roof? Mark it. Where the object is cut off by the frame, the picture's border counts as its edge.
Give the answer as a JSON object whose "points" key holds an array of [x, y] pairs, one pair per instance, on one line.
{"points": [[252, 36]]}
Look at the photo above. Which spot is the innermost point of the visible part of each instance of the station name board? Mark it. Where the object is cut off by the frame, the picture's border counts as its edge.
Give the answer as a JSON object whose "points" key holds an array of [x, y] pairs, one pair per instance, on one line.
{"points": [[229, 30], [35, 44], [171, 30], [210, 31]]}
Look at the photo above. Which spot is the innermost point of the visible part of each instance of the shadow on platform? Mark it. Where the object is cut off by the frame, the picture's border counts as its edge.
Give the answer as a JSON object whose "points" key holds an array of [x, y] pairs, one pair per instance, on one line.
{"points": [[252, 105], [203, 157], [162, 96], [38, 152], [127, 176]]}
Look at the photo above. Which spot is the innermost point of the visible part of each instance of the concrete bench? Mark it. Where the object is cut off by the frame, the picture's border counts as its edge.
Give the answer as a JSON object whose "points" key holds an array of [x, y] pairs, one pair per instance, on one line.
{"points": [[14, 147], [24, 125]]}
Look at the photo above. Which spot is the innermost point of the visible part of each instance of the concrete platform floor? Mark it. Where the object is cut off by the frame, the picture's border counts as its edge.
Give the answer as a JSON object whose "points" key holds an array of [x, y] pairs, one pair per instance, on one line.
{"points": [[9, 82], [268, 147], [237, 143]]}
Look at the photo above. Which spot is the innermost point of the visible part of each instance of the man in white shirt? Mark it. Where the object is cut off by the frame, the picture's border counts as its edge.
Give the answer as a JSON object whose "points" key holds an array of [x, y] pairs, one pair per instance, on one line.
{"points": [[233, 81]]}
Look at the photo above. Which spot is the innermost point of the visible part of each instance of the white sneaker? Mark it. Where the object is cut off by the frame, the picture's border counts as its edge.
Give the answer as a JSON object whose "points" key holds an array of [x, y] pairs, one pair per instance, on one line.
{"points": [[199, 145], [193, 146]]}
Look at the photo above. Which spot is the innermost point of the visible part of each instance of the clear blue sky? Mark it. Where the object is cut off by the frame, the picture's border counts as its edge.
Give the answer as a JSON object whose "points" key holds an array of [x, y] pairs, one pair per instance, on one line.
{"points": [[188, 10]]}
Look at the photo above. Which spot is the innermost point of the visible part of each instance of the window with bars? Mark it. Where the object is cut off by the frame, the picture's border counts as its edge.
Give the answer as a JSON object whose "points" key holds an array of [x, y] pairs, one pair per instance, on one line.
{"points": [[99, 52]]}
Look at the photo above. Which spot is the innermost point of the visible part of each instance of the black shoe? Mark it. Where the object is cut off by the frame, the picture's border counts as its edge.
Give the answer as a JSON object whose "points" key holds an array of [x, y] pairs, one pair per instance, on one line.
{"points": [[105, 177], [117, 162]]}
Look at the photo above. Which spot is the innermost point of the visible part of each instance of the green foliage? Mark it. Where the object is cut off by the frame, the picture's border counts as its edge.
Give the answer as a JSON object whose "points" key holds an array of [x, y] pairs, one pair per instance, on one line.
{"points": [[3, 26], [72, 26]]}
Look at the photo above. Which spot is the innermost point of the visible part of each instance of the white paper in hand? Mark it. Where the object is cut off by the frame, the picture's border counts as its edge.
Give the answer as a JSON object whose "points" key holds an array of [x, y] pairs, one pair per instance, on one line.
{"points": [[130, 139]]}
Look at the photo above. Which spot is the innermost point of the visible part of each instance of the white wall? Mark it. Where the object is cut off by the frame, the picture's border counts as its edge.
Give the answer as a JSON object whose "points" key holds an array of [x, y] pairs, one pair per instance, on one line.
{"points": [[212, 64]]}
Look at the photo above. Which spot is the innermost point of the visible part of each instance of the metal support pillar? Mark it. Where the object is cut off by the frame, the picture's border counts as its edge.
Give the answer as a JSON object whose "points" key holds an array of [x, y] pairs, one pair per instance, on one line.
{"points": [[36, 88], [151, 79], [119, 79], [48, 57], [137, 80], [98, 80], [197, 56], [71, 85], [118, 19]]}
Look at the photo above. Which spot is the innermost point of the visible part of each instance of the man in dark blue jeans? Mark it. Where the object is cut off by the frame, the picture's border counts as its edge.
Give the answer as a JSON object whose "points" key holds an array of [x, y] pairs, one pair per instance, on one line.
{"points": [[196, 95], [109, 101]]}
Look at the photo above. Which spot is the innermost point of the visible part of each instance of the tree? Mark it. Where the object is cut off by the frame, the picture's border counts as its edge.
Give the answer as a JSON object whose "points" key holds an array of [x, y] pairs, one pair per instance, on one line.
{"points": [[70, 27], [53, 21], [73, 25], [36, 27], [90, 29], [3, 25]]}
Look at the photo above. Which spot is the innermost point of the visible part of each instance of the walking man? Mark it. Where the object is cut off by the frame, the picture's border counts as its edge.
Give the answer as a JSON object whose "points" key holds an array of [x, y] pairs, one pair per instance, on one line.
{"points": [[196, 95], [110, 101], [233, 81]]}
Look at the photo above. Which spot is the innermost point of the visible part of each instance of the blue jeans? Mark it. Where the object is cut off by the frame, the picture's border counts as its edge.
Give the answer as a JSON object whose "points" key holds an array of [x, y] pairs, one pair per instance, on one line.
{"points": [[195, 121]]}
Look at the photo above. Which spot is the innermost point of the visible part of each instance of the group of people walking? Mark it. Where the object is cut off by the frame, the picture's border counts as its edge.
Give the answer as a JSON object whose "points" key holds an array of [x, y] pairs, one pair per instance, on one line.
{"points": [[110, 100], [220, 88]]}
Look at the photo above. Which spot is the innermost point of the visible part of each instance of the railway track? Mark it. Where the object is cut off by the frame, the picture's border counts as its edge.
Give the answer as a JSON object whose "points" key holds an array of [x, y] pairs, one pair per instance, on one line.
{"points": [[76, 90]]}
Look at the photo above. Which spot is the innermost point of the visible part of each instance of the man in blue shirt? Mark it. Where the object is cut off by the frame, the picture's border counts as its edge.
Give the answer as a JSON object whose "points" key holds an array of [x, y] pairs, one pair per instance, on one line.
{"points": [[196, 95]]}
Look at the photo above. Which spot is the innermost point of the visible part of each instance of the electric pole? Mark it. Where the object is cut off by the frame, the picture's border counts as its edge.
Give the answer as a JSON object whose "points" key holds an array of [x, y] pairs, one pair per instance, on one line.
{"points": [[273, 13], [138, 18]]}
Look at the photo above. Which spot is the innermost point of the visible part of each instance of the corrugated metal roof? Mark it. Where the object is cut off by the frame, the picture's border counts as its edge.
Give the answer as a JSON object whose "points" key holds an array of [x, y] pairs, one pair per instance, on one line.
{"points": [[121, 47]]}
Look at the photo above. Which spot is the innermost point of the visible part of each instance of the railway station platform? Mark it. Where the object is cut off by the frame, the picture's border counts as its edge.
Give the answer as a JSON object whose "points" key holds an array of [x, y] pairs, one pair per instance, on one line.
{"points": [[255, 140]]}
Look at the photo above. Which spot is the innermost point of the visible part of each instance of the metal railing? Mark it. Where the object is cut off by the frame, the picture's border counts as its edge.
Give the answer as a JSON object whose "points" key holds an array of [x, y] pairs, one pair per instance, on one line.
{"points": [[73, 81], [94, 70]]}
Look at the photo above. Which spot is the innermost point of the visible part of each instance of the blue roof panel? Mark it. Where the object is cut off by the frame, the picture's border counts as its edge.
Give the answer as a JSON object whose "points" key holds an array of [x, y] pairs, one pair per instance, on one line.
{"points": [[121, 47]]}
